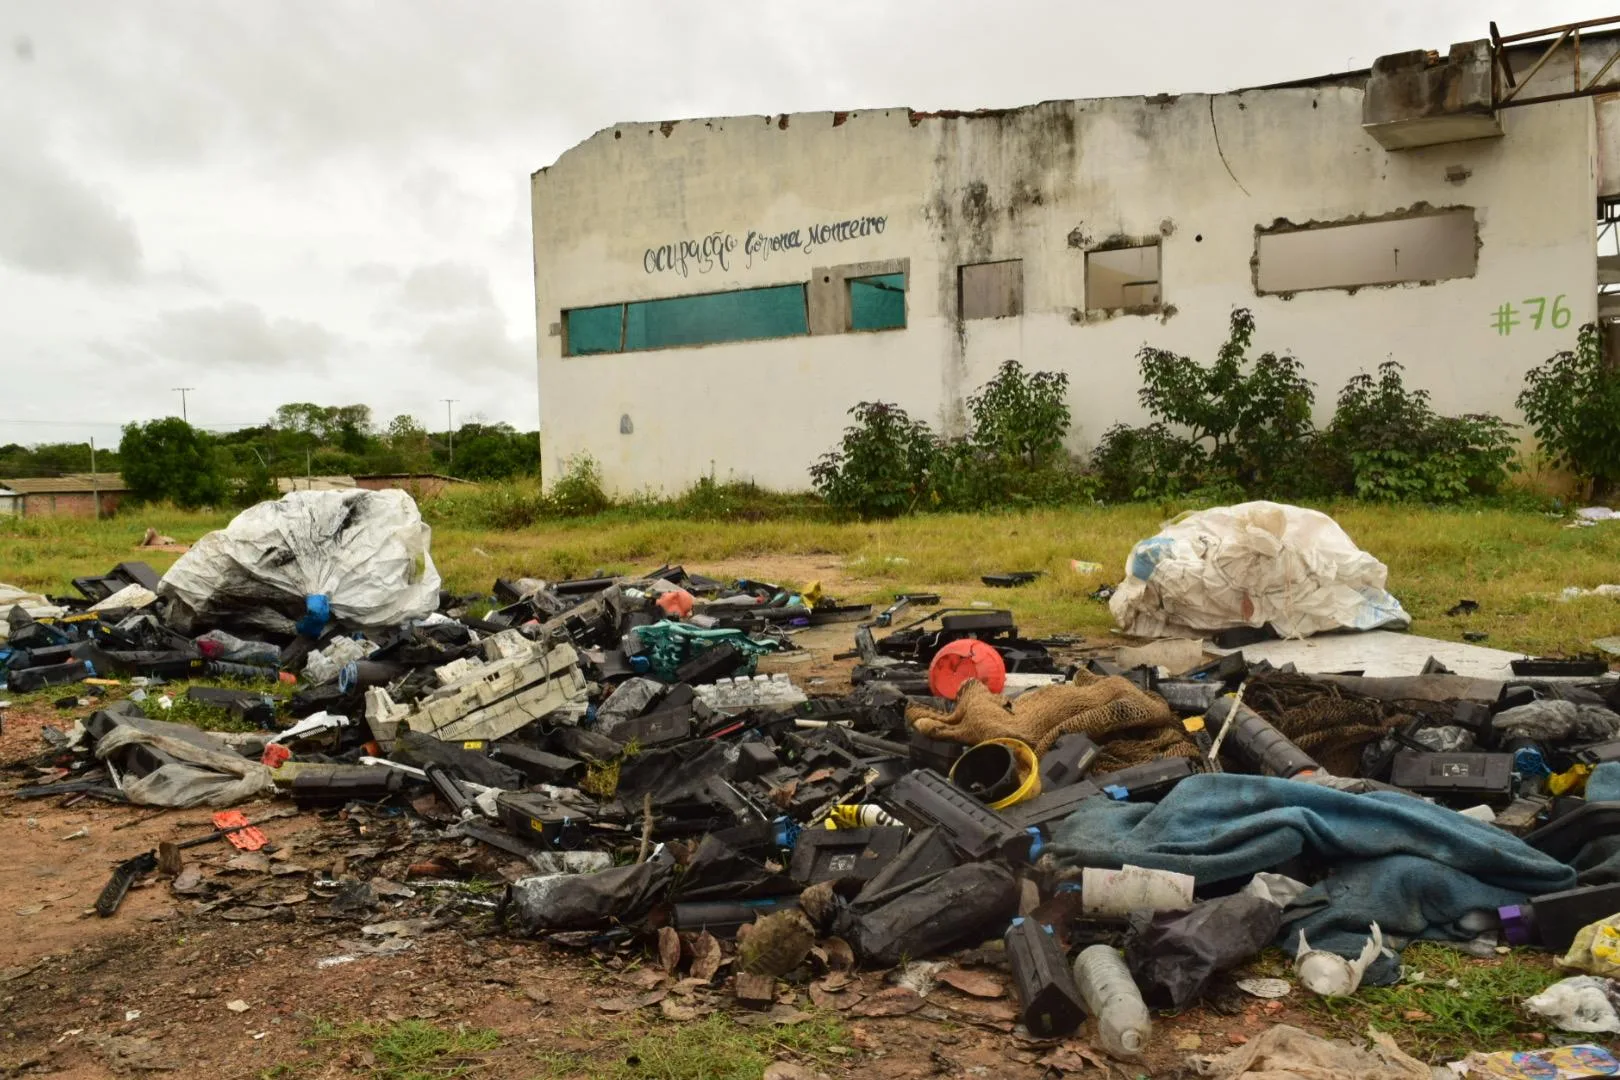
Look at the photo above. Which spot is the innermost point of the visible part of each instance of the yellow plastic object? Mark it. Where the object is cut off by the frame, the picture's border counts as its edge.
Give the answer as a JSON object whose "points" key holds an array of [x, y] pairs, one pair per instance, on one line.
{"points": [[1571, 782], [1596, 949], [859, 816], [811, 595], [1029, 771]]}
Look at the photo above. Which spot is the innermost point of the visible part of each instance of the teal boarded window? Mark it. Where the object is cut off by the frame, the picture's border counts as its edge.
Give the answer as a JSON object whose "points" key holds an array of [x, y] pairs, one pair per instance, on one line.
{"points": [[743, 315], [877, 302], [594, 329]]}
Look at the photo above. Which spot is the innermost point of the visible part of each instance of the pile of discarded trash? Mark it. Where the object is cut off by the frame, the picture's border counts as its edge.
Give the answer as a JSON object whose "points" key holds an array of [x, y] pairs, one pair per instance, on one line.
{"points": [[611, 733]]}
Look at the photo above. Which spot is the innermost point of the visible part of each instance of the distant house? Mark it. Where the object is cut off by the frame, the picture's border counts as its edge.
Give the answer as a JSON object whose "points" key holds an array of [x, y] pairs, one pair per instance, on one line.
{"points": [[74, 495], [420, 485], [284, 484]]}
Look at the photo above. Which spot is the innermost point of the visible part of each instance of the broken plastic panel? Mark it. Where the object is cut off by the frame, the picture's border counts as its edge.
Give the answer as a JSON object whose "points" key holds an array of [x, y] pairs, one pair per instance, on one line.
{"points": [[925, 799], [837, 854]]}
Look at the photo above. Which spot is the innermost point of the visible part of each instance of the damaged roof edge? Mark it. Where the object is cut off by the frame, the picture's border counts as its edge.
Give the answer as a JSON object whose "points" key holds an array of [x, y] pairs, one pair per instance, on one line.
{"points": [[1353, 79], [840, 117]]}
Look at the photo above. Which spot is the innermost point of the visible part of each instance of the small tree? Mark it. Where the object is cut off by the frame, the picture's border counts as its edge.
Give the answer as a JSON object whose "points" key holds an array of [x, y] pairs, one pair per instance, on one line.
{"points": [[170, 459], [883, 466], [247, 476], [1573, 404], [1020, 418], [1146, 463], [409, 445], [495, 452], [1252, 418], [1387, 442]]}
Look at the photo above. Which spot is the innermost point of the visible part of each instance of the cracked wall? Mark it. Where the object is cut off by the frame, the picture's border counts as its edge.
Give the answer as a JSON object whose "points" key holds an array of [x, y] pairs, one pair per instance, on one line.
{"points": [[758, 201]]}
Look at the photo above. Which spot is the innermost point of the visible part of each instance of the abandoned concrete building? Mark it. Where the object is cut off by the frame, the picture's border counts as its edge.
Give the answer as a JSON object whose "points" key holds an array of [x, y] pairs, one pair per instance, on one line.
{"points": [[712, 295]]}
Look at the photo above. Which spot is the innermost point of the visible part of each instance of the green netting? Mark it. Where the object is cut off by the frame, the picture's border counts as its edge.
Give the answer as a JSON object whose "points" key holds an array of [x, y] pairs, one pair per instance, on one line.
{"points": [[878, 302], [671, 644], [594, 329], [743, 315]]}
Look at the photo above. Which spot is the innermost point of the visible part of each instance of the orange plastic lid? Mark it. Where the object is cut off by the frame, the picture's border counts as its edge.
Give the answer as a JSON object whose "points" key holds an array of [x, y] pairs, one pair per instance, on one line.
{"points": [[962, 660], [677, 604]]}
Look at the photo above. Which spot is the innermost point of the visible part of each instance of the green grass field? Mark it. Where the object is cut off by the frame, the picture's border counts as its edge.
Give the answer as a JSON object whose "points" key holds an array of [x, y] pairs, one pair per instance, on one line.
{"points": [[1513, 562]]}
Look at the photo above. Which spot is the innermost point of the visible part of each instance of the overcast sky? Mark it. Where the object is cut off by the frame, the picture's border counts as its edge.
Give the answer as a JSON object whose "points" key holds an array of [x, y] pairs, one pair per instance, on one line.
{"points": [[327, 200]]}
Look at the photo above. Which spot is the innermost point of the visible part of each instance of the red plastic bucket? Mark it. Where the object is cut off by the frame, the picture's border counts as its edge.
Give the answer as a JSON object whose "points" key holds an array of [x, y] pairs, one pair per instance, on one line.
{"points": [[962, 660]]}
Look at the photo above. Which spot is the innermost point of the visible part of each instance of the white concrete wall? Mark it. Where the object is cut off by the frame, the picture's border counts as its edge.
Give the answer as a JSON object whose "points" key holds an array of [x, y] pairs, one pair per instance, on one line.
{"points": [[1041, 184]]}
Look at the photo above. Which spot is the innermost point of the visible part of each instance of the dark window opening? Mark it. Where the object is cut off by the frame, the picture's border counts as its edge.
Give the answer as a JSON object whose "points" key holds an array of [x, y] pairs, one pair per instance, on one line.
{"points": [[877, 302]]}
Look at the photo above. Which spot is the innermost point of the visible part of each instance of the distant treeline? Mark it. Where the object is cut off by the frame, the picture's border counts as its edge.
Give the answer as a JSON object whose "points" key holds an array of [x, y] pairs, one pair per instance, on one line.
{"points": [[172, 459]]}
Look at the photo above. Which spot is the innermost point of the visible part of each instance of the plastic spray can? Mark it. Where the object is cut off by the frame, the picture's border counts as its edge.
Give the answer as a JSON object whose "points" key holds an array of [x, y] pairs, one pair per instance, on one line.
{"points": [[1112, 997], [860, 816]]}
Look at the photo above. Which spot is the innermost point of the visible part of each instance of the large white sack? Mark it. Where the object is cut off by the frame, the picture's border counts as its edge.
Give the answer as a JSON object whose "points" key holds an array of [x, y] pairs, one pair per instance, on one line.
{"points": [[1249, 565], [34, 604], [366, 552]]}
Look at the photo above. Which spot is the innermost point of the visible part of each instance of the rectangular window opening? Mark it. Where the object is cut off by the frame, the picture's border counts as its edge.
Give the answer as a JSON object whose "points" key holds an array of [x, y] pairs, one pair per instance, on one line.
{"points": [[991, 290], [593, 330], [676, 322], [1428, 247], [877, 302], [1124, 278]]}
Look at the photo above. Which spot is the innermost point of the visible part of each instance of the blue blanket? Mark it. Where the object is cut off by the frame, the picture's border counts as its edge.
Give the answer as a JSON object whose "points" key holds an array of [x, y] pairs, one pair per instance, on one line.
{"points": [[1604, 783], [1598, 861], [1414, 868]]}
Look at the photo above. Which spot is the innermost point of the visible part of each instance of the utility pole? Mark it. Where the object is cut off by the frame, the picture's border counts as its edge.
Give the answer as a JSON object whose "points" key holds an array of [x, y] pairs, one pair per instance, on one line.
{"points": [[182, 391], [450, 432], [95, 486]]}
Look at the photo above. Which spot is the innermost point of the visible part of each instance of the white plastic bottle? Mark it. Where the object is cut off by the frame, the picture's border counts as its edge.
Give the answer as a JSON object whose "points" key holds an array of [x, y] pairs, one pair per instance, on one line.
{"points": [[1113, 1000]]}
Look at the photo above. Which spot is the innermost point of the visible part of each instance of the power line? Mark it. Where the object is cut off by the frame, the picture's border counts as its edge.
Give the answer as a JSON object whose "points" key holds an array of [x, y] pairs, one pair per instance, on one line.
{"points": [[224, 425], [63, 423]]}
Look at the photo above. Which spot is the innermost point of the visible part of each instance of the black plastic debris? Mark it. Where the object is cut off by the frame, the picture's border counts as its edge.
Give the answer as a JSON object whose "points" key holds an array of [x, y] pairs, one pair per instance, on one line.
{"points": [[620, 894], [1173, 955], [618, 750], [961, 906], [1011, 579], [1043, 983]]}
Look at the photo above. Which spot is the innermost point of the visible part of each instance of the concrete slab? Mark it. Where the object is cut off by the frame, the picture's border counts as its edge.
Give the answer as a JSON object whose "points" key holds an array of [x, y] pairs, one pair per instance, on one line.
{"points": [[1382, 654]]}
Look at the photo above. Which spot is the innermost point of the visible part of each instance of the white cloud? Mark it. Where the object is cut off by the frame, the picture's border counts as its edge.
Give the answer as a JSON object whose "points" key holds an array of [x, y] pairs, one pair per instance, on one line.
{"points": [[477, 346], [51, 222], [445, 286], [237, 334]]}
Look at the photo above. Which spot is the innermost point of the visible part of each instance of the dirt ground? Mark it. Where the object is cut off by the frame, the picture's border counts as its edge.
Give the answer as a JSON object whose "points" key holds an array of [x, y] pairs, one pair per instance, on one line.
{"points": [[243, 965], [157, 986]]}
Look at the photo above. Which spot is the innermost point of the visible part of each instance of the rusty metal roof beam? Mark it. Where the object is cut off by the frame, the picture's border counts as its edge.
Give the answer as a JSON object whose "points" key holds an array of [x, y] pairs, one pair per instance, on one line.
{"points": [[1529, 35], [1502, 67]]}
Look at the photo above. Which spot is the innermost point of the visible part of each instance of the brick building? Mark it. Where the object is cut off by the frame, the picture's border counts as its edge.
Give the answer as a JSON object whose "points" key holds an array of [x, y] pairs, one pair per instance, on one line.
{"points": [[74, 495]]}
